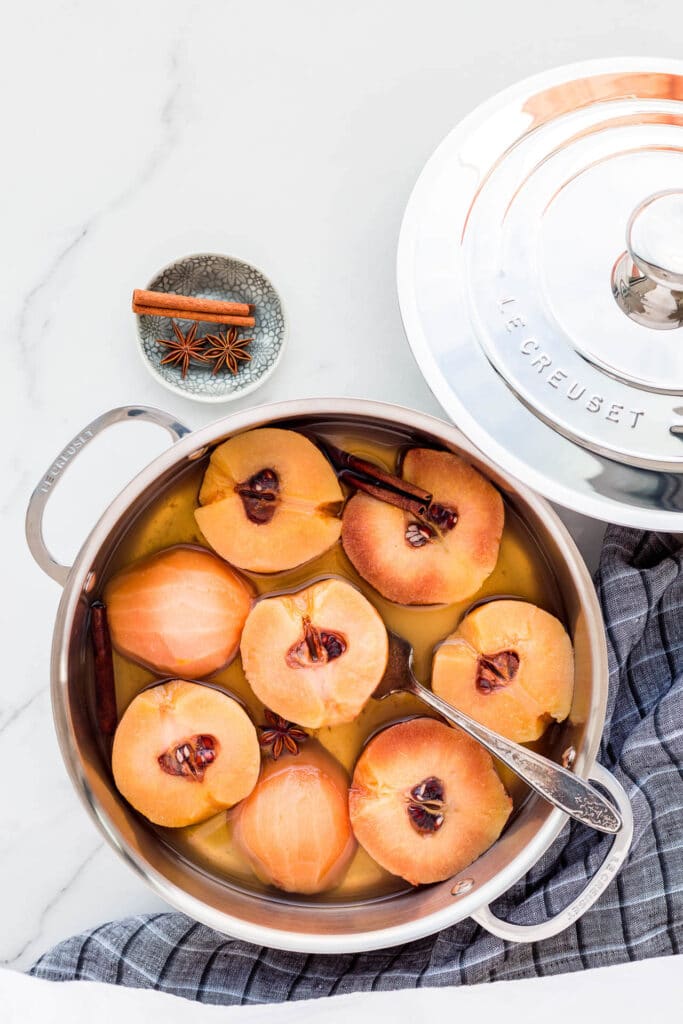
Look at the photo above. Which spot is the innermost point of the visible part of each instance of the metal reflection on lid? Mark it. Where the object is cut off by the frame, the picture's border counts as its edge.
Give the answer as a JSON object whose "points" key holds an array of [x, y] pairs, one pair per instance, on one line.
{"points": [[647, 280], [537, 212]]}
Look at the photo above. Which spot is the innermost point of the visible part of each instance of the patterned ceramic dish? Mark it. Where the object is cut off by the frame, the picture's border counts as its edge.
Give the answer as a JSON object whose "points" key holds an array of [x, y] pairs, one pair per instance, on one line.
{"points": [[213, 276]]}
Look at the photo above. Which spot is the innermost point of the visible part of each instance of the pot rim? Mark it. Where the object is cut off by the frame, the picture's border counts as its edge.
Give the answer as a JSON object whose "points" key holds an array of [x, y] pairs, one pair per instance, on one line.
{"points": [[339, 941]]}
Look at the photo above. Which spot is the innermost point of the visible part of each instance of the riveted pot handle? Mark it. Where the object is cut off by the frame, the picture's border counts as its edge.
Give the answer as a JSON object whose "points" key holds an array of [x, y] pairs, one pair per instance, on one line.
{"points": [[44, 490], [593, 890]]}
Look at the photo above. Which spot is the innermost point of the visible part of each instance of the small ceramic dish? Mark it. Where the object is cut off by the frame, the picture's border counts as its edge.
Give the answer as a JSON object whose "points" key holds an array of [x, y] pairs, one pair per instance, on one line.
{"points": [[213, 276]]}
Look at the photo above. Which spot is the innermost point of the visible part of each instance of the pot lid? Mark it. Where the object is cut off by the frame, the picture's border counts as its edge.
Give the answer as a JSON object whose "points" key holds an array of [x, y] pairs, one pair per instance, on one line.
{"points": [[540, 275]]}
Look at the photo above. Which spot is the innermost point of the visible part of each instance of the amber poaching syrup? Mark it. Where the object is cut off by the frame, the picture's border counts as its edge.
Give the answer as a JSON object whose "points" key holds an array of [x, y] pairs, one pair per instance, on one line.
{"points": [[521, 570]]}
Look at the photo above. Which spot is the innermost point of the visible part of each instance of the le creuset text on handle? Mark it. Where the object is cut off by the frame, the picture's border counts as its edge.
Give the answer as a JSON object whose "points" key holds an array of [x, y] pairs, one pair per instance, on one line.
{"points": [[42, 493], [593, 889]]}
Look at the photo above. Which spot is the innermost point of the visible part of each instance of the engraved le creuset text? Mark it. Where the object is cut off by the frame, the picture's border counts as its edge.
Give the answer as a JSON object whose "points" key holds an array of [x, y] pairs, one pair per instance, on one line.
{"points": [[63, 459], [558, 379]]}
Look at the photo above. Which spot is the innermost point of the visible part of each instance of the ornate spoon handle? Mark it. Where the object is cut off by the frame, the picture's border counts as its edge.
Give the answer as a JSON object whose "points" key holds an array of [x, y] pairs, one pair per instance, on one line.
{"points": [[554, 783]]}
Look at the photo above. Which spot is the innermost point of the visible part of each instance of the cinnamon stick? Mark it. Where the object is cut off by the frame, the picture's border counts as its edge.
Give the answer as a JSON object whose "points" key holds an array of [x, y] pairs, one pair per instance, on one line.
{"points": [[366, 476], [400, 499], [105, 693], [186, 314], [192, 303]]}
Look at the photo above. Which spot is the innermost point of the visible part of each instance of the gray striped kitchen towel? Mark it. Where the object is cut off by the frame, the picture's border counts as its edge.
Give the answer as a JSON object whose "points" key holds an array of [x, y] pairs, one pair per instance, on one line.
{"points": [[640, 583]]}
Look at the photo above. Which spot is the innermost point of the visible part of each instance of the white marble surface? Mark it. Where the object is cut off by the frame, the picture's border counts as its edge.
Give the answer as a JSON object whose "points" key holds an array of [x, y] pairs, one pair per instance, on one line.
{"points": [[287, 134]]}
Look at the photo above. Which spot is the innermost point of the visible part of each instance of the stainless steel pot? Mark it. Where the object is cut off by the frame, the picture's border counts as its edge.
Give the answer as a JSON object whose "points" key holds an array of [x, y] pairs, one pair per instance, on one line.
{"points": [[290, 923]]}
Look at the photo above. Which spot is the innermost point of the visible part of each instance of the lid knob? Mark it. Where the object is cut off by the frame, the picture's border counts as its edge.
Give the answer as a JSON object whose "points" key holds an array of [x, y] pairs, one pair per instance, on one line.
{"points": [[655, 239], [647, 280]]}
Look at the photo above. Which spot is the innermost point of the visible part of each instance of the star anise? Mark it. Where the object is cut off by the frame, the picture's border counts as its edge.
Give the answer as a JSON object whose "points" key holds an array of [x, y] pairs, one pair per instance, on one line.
{"points": [[227, 350], [280, 735], [183, 349]]}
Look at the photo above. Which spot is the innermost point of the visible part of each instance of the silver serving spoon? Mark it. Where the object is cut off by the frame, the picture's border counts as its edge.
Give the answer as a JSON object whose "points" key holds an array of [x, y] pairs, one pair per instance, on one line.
{"points": [[554, 783]]}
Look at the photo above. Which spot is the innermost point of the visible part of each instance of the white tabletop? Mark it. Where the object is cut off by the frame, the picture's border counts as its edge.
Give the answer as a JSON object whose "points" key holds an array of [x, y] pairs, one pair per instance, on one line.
{"points": [[287, 134], [628, 993]]}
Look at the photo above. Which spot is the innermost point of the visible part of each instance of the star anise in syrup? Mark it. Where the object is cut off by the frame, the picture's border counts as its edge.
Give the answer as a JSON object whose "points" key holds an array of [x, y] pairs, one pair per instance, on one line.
{"points": [[183, 348], [280, 735], [227, 350]]}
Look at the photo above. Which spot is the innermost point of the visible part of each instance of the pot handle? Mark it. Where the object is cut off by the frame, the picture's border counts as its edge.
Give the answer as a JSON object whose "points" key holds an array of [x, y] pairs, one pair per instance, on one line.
{"points": [[593, 890], [42, 493]]}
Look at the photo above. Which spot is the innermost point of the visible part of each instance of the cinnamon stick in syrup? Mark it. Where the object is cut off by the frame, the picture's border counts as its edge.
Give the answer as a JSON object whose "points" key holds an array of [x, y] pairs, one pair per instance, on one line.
{"points": [[105, 693], [367, 477]]}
